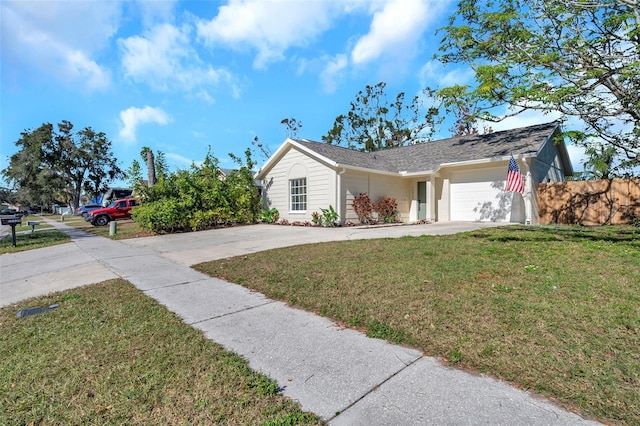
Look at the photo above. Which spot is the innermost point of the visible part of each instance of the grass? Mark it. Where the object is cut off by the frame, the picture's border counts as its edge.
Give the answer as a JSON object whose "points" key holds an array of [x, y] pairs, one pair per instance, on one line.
{"points": [[28, 240], [555, 310], [110, 355], [125, 229], [30, 218]]}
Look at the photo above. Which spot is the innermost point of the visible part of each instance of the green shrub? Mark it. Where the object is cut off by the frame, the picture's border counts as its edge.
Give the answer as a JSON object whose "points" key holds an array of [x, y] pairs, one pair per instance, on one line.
{"points": [[329, 217], [208, 219], [199, 198], [270, 216]]}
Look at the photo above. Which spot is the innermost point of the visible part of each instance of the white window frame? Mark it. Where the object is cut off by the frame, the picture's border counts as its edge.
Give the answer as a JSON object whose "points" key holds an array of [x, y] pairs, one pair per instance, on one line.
{"points": [[298, 195]]}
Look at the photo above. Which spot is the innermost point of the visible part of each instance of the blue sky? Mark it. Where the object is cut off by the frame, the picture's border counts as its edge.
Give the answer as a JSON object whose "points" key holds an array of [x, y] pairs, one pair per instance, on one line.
{"points": [[182, 76]]}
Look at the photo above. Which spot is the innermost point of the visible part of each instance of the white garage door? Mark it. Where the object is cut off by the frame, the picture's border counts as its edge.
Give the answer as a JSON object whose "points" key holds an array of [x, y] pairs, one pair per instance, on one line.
{"points": [[479, 196]]}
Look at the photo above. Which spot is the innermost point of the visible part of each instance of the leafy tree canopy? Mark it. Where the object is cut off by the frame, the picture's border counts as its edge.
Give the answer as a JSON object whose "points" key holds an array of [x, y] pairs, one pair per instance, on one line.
{"points": [[52, 165], [373, 122], [579, 58]]}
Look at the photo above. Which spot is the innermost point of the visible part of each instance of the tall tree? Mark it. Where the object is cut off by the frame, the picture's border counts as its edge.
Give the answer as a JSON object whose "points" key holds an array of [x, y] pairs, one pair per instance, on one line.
{"points": [[147, 155], [160, 165], [28, 171], [579, 58], [157, 167], [63, 164], [455, 101], [374, 123]]}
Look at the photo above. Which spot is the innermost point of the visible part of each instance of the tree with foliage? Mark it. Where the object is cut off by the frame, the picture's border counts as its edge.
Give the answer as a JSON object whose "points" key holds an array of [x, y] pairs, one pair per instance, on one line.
{"points": [[62, 164], [600, 163], [579, 58], [157, 169], [454, 101], [243, 194], [28, 172], [374, 123], [160, 165], [133, 174]]}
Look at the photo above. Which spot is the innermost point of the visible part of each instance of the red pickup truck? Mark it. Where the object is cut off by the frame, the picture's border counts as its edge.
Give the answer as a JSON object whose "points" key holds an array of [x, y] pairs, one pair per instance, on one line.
{"points": [[117, 210]]}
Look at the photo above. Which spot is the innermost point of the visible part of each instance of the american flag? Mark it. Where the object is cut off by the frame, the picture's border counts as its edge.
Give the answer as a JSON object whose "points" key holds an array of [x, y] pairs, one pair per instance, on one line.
{"points": [[514, 178]]}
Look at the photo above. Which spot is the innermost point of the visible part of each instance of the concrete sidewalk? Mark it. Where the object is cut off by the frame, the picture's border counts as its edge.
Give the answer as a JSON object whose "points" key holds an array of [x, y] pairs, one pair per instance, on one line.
{"points": [[339, 374]]}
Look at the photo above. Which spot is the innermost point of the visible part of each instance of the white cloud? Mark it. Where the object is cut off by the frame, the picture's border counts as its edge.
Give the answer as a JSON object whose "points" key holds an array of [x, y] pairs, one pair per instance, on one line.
{"points": [[269, 27], [524, 119], [332, 71], [61, 39], [82, 68], [153, 12], [132, 117], [179, 161], [205, 96], [164, 59], [397, 28]]}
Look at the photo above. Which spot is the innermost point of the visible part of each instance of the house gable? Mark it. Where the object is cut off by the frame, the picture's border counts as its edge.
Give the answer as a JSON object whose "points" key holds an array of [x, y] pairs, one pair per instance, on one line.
{"points": [[295, 163]]}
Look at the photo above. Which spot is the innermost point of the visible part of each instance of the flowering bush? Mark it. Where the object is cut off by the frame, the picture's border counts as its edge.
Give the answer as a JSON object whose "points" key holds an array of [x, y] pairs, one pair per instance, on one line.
{"points": [[363, 207], [387, 209]]}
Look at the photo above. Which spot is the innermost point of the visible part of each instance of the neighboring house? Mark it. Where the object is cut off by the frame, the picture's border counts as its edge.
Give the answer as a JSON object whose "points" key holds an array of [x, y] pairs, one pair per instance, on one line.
{"points": [[226, 172], [456, 179]]}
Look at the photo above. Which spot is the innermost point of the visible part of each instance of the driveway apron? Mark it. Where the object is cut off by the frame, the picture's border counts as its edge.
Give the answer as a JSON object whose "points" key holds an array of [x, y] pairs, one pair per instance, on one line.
{"points": [[340, 374]]}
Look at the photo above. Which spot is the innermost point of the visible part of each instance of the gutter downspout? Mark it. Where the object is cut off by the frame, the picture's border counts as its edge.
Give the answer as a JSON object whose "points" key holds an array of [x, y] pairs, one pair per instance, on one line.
{"points": [[339, 195]]}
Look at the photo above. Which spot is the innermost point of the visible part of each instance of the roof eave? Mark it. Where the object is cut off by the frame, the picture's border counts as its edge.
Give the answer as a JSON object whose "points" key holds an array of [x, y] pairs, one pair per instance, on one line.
{"points": [[282, 149], [407, 174], [483, 161], [367, 170]]}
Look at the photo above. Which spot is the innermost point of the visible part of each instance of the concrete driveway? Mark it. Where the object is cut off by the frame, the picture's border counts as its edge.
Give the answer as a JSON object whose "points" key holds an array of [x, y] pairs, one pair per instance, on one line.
{"points": [[37, 272], [192, 248]]}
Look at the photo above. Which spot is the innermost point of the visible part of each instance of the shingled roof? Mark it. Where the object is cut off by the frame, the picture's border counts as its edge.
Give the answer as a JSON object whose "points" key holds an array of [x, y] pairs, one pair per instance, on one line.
{"points": [[429, 156]]}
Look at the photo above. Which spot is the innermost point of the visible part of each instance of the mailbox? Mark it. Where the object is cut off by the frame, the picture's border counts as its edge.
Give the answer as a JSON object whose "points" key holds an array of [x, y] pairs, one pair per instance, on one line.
{"points": [[12, 221]]}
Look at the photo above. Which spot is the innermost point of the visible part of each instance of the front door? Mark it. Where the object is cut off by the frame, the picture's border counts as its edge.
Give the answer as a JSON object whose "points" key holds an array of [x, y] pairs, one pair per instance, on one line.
{"points": [[422, 200]]}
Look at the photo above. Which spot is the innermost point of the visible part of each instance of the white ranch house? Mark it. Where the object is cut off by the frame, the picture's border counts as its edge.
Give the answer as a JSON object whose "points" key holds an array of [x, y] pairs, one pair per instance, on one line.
{"points": [[455, 179]]}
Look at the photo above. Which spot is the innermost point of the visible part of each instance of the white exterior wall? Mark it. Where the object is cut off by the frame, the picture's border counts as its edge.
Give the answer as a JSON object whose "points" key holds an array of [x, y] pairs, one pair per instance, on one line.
{"points": [[321, 185], [376, 186], [354, 183], [443, 189], [394, 187]]}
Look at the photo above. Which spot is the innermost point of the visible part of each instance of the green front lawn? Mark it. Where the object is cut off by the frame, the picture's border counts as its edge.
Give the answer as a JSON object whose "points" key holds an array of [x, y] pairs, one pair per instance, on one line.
{"points": [[124, 228], [29, 240], [555, 310], [110, 355]]}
